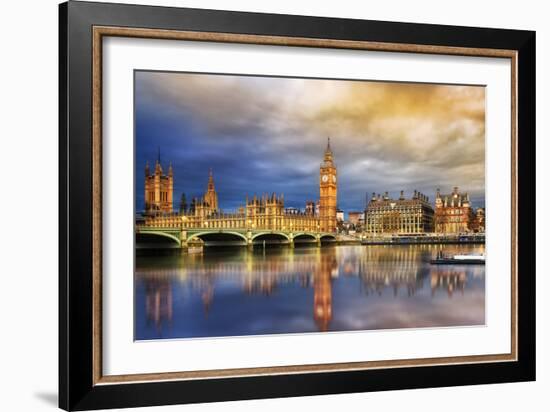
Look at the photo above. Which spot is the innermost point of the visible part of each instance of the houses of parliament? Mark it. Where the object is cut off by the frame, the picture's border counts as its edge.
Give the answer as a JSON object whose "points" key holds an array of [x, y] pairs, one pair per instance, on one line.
{"points": [[266, 211]]}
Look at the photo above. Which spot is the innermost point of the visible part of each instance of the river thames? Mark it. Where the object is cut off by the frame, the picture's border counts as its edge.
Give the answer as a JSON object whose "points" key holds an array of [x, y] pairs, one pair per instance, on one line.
{"points": [[237, 291]]}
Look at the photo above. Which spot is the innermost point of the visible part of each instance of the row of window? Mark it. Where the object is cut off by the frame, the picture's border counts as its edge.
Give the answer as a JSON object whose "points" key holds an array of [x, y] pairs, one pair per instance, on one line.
{"points": [[372, 221], [396, 214], [163, 197], [452, 212]]}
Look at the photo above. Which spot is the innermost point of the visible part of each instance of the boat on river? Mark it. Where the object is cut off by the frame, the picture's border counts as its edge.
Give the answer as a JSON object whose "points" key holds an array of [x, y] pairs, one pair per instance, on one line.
{"points": [[465, 259]]}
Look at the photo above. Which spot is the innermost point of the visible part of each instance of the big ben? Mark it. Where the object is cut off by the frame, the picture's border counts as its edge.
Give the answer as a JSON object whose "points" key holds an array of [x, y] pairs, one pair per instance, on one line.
{"points": [[328, 185]]}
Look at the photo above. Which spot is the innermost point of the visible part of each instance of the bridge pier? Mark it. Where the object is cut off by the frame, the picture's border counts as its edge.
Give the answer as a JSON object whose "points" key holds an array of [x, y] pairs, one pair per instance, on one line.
{"points": [[249, 242], [184, 247]]}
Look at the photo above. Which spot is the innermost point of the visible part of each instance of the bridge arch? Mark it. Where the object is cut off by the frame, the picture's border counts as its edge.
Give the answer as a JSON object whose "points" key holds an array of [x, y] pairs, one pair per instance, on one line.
{"points": [[328, 237], [143, 235], [256, 236], [304, 236], [199, 235]]}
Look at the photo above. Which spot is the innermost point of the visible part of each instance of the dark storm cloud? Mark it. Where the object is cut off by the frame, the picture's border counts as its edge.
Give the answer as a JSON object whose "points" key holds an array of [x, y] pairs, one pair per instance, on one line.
{"points": [[268, 135]]}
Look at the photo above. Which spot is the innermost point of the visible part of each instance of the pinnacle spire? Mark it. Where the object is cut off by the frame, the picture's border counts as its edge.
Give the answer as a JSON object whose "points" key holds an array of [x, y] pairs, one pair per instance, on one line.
{"points": [[328, 152], [210, 180]]}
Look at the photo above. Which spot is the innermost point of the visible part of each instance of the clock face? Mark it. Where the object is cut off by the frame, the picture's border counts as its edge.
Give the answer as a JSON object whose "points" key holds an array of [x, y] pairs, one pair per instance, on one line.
{"points": [[334, 178], [325, 178]]}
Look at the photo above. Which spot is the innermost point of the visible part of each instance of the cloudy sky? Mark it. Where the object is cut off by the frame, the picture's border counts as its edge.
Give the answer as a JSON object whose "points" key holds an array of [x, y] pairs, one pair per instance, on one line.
{"points": [[266, 134]]}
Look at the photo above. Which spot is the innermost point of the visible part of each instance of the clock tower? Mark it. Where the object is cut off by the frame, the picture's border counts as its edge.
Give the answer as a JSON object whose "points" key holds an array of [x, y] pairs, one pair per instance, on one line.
{"points": [[328, 184]]}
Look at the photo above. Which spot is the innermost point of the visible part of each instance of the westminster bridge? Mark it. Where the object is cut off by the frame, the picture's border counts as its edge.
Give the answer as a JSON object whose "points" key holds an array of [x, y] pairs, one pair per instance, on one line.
{"points": [[188, 230], [184, 238]]}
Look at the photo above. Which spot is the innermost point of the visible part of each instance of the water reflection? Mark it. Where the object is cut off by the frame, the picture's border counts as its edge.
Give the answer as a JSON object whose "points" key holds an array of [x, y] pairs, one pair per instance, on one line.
{"points": [[234, 292], [322, 289], [158, 302]]}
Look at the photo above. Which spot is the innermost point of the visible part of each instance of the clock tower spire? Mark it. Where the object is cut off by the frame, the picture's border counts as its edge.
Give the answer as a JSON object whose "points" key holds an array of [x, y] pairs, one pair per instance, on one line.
{"points": [[328, 185]]}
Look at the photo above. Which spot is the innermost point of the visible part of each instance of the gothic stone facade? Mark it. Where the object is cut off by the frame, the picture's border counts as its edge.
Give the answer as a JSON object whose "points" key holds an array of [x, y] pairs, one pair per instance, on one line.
{"points": [[159, 189], [328, 189], [259, 212]]}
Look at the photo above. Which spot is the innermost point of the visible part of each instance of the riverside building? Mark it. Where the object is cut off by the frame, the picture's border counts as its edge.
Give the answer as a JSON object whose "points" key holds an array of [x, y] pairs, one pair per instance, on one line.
{"points": [[453, 212], [385, 215]]}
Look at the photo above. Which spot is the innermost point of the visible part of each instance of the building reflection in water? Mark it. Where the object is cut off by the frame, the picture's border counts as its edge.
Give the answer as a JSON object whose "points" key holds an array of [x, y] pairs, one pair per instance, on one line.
{"points": [[322, 290], [450, 279], [207, 296], [453, 278], [391, 268], [401, 271], [158, 302]]}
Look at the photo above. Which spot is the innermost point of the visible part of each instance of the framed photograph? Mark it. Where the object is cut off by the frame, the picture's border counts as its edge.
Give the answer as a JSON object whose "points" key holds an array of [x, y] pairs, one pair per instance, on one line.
{"points": [[256, 205]]}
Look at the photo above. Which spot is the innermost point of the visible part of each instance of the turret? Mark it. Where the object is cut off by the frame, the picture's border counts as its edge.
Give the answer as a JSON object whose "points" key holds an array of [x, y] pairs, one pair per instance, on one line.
{"points": [[159, 188], [158, 168], [211, 197]]}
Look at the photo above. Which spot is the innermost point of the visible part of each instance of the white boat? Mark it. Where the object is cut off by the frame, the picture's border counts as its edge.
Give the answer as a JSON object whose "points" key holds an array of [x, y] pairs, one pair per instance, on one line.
{"points": [[441, 259], [480, 256]]}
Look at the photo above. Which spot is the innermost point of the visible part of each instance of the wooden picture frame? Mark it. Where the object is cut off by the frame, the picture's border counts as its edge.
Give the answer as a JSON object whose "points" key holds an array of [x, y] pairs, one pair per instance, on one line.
{"points": [[82, 27]]}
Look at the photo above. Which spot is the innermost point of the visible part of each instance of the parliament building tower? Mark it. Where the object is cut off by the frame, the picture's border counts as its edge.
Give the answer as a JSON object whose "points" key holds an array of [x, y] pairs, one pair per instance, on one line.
{"points": [[328, 185], [211, 197], [159, 189]]}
